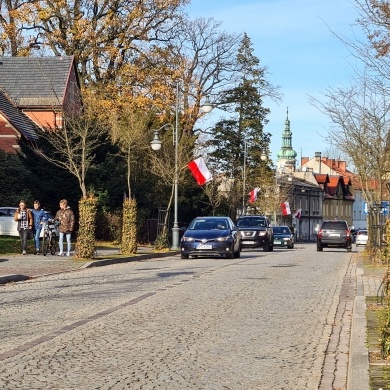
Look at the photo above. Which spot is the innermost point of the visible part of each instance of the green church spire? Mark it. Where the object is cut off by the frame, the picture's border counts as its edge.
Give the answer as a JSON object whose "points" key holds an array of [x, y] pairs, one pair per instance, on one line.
{"points": [[286, 154]]}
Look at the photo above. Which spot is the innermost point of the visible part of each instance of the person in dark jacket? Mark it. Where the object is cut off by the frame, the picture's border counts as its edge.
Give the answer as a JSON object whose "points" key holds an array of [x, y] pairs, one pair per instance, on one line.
{"points": [[66, 218], [39, 220], [25, 220]]}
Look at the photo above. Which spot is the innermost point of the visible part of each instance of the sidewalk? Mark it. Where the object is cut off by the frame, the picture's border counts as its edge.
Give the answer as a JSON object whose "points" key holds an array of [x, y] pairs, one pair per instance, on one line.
{"points": [[14, 268], [368, 284]]}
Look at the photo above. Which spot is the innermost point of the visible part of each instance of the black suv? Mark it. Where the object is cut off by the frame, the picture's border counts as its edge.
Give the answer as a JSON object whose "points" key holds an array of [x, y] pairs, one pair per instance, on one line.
{"points": [[255, 232], [334, 233]]}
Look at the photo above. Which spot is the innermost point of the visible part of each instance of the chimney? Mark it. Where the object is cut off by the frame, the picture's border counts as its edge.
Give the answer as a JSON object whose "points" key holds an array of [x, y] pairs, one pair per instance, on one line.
{"points": [[317, 156]]}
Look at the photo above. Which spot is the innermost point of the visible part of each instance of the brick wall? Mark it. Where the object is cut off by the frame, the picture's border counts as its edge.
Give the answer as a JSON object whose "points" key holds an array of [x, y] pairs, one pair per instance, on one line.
{"points": [[9, 137]]}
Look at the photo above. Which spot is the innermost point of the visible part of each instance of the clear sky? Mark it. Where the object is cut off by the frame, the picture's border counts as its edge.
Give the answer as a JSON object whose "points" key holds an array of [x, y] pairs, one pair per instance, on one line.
{"points": [[294, 40]]}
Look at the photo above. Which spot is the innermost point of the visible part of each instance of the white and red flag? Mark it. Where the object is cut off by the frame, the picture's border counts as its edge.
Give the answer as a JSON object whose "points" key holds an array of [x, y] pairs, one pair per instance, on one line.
{"points": [[298, 214], [253, 195], [200, 171], [285, 206]]}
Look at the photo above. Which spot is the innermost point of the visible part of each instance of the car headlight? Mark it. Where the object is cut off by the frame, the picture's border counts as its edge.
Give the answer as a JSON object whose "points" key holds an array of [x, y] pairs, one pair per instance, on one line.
{"points": [[223, 238], [188, 239], [262, 233]]}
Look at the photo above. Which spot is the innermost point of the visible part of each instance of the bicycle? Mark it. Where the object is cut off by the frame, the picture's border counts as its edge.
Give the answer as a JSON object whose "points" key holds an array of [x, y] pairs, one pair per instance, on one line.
{"points": [[49, 240]]}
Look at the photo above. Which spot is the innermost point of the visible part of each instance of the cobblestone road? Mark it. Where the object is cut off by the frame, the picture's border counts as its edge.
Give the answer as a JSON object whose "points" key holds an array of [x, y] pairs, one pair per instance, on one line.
{"points": [[263, 321]]}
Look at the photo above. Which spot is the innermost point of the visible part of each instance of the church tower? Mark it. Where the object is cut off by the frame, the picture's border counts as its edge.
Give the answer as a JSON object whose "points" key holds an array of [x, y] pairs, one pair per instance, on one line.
{"points": [[286, 160]]}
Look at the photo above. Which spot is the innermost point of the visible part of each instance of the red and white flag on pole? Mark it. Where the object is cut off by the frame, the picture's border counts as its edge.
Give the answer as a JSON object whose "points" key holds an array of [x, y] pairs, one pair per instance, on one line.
{"points": [[298, 214], [200, 171], [285, 206], [253, 195]]}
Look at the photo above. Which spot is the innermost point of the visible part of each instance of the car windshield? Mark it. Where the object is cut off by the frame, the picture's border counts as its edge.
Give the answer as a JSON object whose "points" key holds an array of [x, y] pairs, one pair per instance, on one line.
{"points": [[281, 230], [362, 232], [209, 224], [251, 222]]}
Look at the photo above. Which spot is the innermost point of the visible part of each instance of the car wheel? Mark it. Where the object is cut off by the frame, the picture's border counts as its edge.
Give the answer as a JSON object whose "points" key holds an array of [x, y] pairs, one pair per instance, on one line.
{"points": [[237, 253], [319, 248], [183, 256], [266, 247], [349, 249], [230, 255]]}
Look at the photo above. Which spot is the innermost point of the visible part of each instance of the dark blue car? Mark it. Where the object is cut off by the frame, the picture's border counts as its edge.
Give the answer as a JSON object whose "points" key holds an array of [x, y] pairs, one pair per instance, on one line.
{"points": [[211, 236], [283, 237]]}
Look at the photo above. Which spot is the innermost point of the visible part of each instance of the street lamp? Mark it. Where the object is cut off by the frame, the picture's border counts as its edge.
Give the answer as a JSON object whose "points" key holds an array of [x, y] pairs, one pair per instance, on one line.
{"points": [[156, 145], [207, 106]]}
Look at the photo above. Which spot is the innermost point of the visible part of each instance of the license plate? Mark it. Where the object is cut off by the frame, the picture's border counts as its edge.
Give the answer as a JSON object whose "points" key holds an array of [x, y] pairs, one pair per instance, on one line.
{"points": [[247, 242], [334, 235], [204, 246]]}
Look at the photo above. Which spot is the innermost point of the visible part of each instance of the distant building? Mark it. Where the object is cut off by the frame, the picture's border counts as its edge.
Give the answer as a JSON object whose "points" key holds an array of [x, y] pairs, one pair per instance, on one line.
{"points": [[35, 93], [339, 186]]}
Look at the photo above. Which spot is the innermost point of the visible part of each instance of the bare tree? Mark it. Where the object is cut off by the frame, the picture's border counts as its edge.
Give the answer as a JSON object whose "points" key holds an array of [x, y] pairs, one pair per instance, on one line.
{"points": [[361, 118], [73, 147], [127, 130], [214, 191]]}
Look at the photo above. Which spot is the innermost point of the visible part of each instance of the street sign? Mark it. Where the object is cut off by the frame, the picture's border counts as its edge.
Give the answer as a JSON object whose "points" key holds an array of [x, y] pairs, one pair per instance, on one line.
{"points": [[385, 207], [384, 210]]}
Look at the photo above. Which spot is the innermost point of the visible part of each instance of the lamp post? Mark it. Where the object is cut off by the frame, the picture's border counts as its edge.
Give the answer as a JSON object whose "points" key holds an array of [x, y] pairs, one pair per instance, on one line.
{"points": [[156, 145], [244, 177]]}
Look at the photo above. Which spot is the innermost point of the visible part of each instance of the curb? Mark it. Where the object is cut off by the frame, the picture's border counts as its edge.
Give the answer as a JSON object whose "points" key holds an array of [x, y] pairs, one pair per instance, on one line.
{"points": [[103, 262], [358, 365], [96, 263], [13, 278]]}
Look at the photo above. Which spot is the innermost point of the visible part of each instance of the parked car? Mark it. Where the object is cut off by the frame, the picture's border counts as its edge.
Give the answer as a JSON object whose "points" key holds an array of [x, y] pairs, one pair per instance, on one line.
{"points": [[334, 233], [9, 227], [283, 237], [255, 232], [211, 236], [361, 237]]}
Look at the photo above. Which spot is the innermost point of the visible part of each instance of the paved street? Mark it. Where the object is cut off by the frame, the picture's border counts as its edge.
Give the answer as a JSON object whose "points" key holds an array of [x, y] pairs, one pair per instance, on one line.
{"points": [[276, 320]]}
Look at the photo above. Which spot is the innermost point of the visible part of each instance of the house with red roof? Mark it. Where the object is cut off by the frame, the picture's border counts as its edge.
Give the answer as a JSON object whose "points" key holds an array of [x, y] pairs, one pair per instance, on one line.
{"points": [[35, 93], [343, 198]]}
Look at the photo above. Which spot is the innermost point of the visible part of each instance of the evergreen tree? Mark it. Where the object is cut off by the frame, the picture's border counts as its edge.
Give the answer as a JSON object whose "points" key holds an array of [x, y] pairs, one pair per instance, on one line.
{"points": [[243, 130]]}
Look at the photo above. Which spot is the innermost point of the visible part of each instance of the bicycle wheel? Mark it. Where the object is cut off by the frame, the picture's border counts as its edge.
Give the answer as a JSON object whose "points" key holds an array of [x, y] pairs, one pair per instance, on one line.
{"points": [[45, 243], [53, 244]]}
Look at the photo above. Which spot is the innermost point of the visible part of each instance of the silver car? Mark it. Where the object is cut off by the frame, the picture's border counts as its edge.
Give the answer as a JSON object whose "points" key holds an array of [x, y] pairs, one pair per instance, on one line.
{"points": [[361, 237]]}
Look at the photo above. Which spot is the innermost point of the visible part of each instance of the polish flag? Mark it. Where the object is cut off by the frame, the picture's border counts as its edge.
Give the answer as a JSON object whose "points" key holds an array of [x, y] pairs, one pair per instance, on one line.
{"points": [[285, 206], [298, 214], [200, 171], [253, 195]]}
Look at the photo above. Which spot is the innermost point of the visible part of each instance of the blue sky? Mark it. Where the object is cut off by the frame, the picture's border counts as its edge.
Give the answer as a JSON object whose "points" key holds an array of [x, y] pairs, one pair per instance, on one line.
{"points": [[294, 40]]}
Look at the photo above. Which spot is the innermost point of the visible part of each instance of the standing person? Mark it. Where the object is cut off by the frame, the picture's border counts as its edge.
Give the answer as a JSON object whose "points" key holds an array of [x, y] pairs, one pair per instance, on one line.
{"points": [[39, 220], [66, 218], [24, 217]]}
